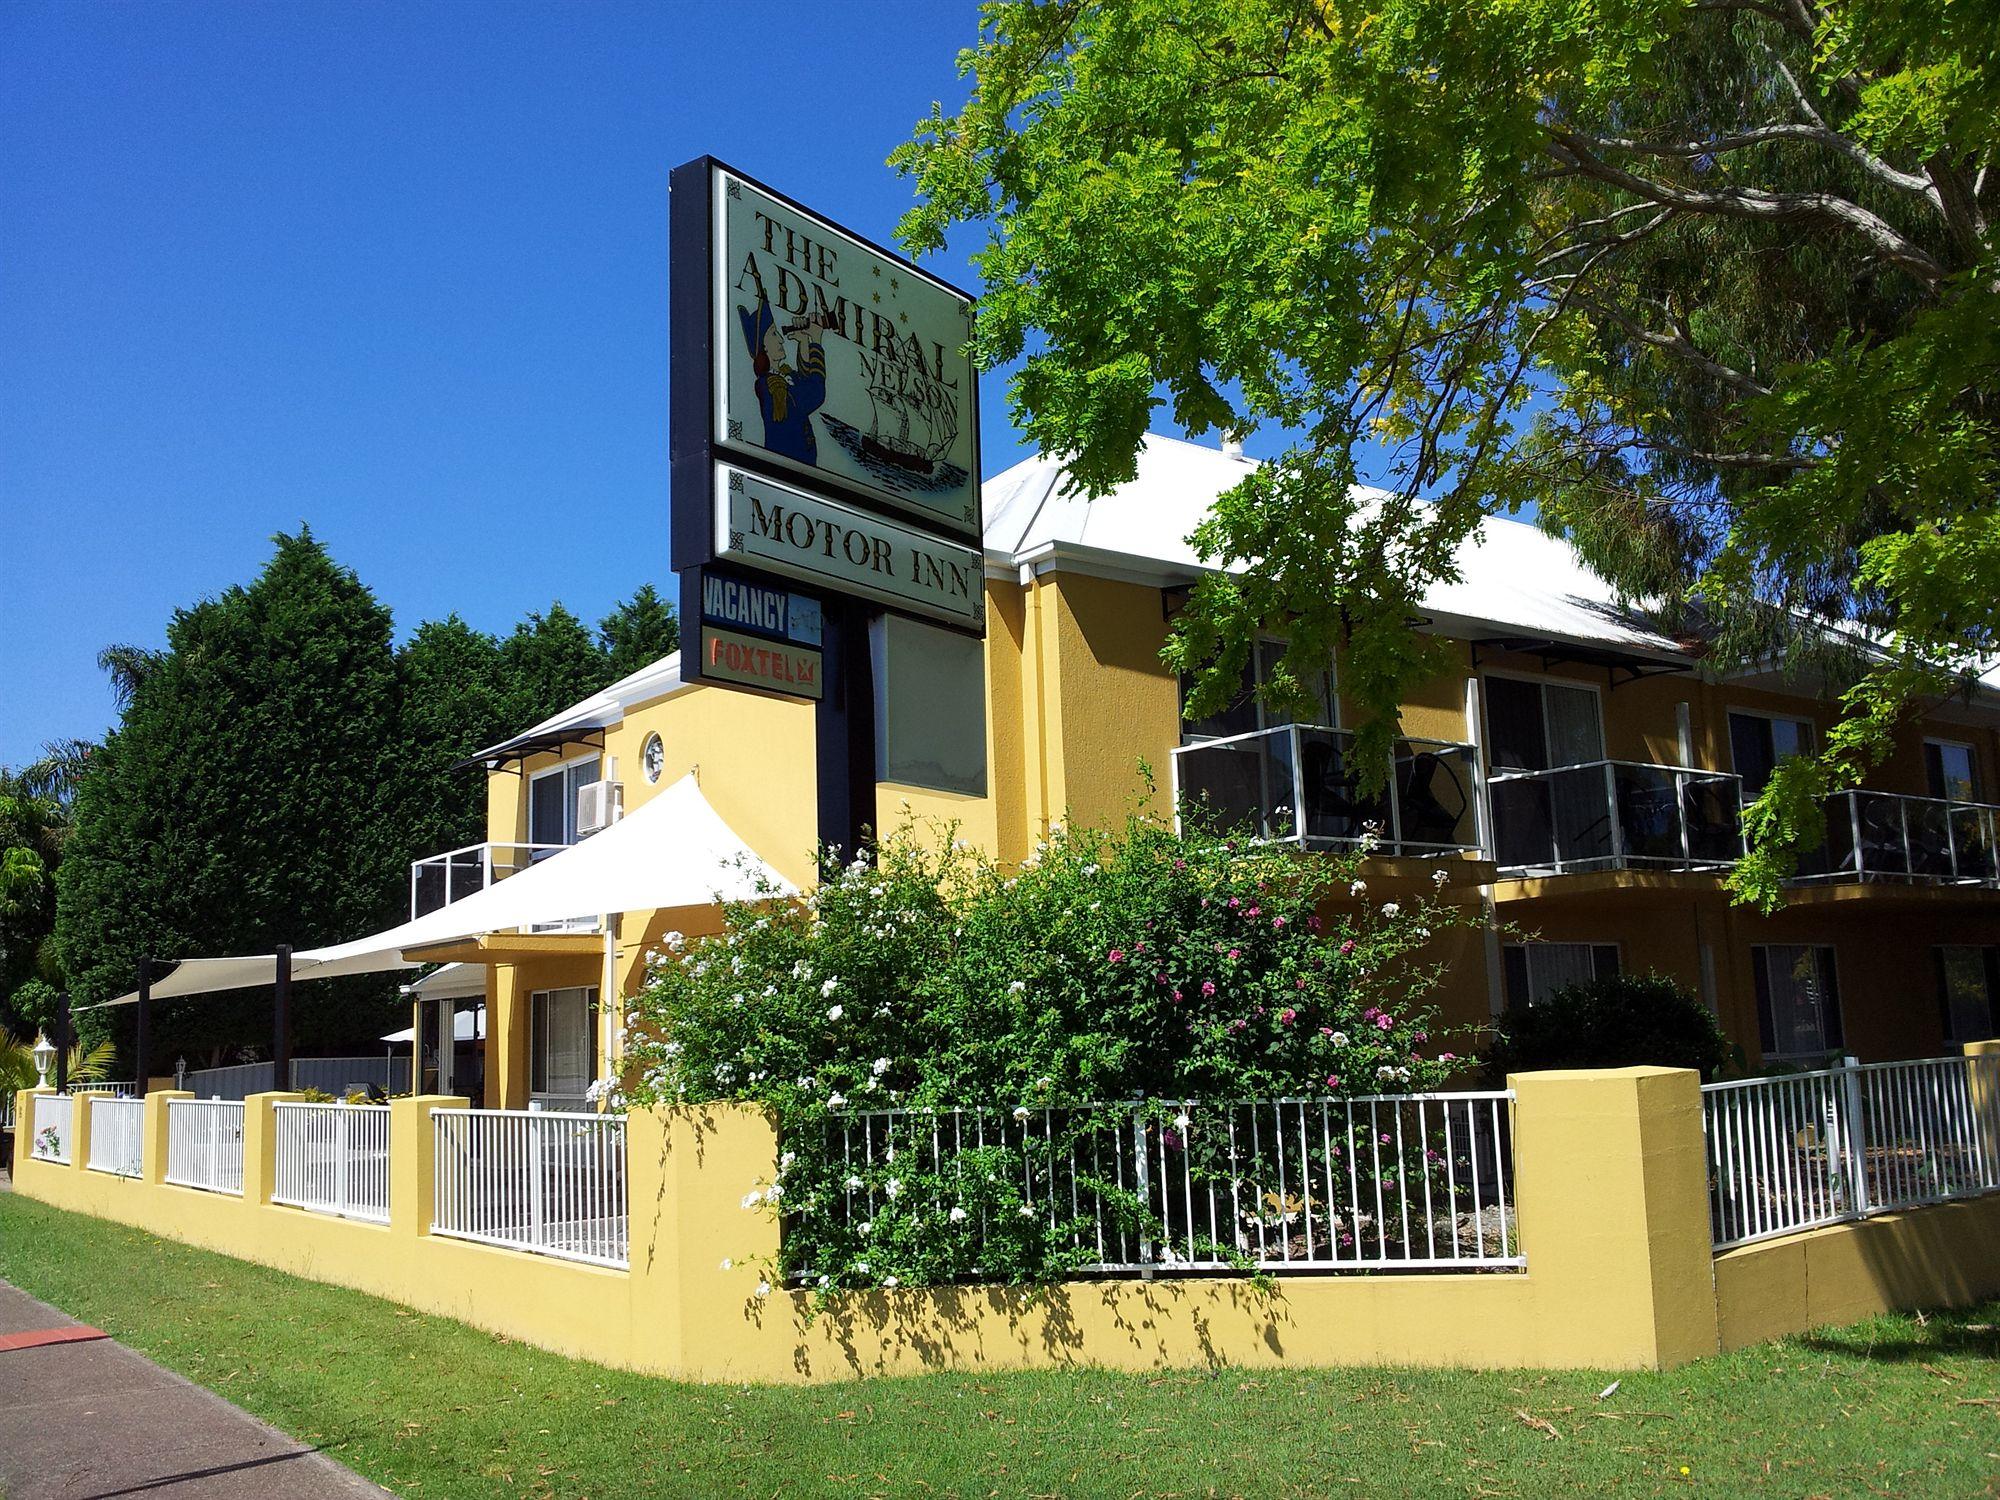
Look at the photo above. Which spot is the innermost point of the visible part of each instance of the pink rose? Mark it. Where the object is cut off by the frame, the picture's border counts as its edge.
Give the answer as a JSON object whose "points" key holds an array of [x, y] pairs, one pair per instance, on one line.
{"points": [[1277, 924], [1116, 955], [1383, 1023], [1288, 1016], [1208, 987], [1348, 946], [1235, 952], [1333, 1080]]}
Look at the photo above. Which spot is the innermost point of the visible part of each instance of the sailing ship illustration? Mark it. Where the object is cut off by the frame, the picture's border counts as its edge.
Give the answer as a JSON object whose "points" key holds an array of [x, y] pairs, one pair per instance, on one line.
{"points": [[905, 430]]}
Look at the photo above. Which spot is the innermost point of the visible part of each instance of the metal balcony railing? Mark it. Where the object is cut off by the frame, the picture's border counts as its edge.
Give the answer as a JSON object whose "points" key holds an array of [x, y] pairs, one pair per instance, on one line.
{"points": [[444, 878], [1302, 784], [1885, 836], [1615, 815]]}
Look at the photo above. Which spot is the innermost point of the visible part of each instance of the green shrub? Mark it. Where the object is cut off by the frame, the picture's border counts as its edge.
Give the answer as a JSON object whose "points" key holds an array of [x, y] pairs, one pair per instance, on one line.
{"points": [[1108, 967], [1622, 1020]]}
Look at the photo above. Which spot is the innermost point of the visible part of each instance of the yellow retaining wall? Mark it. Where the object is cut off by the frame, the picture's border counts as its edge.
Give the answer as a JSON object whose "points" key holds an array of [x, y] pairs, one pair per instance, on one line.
{"points": [[1613, 1220], [1943, 1256]]}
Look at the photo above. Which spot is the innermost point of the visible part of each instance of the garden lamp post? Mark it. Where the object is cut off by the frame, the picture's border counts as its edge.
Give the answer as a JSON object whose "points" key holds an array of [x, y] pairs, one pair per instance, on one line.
{"points": [[45, 1056]]}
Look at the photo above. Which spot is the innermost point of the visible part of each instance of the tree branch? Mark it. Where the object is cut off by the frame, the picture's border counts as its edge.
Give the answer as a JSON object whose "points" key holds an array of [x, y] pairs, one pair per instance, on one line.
{"points": [[1757, 203], [1675, 344]]}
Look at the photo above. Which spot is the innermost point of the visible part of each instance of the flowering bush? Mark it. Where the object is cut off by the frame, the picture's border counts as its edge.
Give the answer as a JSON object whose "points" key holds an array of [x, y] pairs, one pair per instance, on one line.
{"points": [[1110, 967]]}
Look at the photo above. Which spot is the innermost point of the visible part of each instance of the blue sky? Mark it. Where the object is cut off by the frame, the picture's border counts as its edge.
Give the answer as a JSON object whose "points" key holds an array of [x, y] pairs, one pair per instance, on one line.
{"points": [[398, 271]]}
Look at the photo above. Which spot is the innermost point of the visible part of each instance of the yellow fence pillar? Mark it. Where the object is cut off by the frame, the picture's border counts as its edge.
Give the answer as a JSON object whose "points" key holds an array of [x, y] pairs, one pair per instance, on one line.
{"points": [[260, 1143], [153, 1154], [24, 1126], [1611, 1185], [697, 1254], [1983, 1080], [413, 1161]]}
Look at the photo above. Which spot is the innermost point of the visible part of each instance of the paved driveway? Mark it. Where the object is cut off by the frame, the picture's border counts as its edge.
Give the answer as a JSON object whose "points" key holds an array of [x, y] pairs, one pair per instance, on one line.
{"points": [[84, 1418]]}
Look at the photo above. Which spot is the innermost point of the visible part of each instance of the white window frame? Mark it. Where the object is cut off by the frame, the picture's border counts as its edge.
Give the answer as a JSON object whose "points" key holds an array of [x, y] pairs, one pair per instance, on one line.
{"points": [[1528, 945], [1487, 674], [1833, 969], [1972, 758], [537, 1002], [562, 768], [1190, 737]]}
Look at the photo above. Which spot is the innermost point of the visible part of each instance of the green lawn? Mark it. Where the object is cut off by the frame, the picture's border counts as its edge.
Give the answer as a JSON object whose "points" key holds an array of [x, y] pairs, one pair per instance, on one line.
{"points": [[429, 1407]]}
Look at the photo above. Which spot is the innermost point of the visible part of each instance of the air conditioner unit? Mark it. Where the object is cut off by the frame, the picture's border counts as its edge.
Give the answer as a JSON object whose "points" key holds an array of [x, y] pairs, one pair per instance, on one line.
{"points": [[598, 806]]}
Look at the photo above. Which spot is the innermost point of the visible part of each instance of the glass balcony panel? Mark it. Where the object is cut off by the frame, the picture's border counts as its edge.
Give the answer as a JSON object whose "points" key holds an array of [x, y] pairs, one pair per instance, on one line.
{"points": [[1881, 852], [1972, 840], [1713, 807], [441, 879], [1435, 797], [1252, 781], [1229, 785], [1649, 813], [1337, 810], [1929, 827], [1616, 815], [1523, 824], [1582, 809]]}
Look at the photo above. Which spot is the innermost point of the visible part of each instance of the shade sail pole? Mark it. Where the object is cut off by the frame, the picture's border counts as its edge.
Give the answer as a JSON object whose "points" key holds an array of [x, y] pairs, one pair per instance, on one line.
{"points": [[281, 1019], [142, 1026]]}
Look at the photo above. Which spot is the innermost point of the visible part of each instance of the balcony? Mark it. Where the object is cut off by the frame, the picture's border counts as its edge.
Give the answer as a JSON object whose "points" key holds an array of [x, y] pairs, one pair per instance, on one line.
{"points": [[1615, 815], [444, 878], [1302, 784], [1883, 836]]}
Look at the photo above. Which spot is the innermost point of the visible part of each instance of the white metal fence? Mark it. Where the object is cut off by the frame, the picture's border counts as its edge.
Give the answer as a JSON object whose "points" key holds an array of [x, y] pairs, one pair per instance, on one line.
{"points": [[117, 1136], [536, 1180], [1808, 1149], [50, 1141], [1391, 1182], [205, 1144], [332, 1159]]}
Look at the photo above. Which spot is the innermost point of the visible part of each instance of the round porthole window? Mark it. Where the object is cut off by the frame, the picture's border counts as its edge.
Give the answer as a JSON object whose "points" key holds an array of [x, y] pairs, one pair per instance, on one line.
{"points": [[653, 757]]}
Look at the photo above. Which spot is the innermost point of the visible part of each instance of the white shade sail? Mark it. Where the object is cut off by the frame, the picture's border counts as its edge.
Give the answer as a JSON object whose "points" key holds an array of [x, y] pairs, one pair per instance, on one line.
{"points": [[673, 851]]}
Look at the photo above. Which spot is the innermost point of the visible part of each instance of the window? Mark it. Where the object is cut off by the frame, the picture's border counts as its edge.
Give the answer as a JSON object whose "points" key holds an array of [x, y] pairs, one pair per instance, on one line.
{"points": [[1757, 742], [563, 1059], [1953, 770], [1798, 1001], [1535, 725], [1247, 712], [1535, 971], [1968, 985], [552, 801]]}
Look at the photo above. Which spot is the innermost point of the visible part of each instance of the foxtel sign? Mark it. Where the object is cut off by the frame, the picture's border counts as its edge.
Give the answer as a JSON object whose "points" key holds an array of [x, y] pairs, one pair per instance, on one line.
{"points": [[773, 527]]}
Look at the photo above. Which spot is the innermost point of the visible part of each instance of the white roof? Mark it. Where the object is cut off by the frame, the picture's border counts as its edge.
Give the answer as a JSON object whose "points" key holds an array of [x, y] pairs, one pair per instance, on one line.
{"points": [[600, 710], [468, 1025], [673, 851], [449, 982], [1516, 581]]}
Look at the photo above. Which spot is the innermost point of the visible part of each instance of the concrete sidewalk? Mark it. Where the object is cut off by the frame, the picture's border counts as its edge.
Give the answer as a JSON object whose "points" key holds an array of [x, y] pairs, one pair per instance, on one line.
{"points": [[88, 1419]]}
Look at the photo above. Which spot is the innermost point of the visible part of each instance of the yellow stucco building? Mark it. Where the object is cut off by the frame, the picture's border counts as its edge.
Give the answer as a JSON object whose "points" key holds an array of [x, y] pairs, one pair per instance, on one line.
{"points": [[1576, 774]]}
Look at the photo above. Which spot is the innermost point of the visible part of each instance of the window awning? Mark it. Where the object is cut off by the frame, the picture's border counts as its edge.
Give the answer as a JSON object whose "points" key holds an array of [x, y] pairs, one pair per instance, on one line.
{"points": [[673, 851]]}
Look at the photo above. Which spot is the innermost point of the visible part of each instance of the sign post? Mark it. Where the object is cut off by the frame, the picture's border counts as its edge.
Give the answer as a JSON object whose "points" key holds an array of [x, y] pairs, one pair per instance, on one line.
{"points": [[824, 457]]}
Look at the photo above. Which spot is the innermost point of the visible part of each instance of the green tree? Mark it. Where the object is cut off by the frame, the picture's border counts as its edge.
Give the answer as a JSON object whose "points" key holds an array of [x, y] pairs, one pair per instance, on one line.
{"points": [[549, 662], [454, 702], [638, 632], [1713, 283], [34, 826], [249, 796]]}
